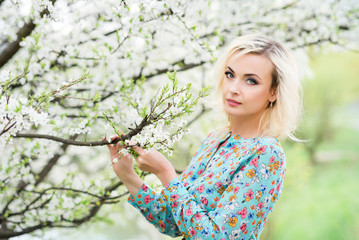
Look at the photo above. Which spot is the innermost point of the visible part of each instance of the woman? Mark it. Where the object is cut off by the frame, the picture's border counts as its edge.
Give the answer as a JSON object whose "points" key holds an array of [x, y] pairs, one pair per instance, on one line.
{"points": [[236, 177]]}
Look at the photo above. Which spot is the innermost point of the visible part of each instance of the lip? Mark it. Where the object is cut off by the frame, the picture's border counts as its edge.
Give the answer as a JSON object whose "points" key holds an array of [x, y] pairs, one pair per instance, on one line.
{"points": [[232, 102]]}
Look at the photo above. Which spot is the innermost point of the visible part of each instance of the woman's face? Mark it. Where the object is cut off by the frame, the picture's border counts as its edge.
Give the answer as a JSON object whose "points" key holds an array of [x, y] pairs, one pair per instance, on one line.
{"points": [[246, 86]]}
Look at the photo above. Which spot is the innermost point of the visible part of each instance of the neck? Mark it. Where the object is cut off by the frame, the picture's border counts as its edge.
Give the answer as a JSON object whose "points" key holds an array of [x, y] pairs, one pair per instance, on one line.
{"points": [[246, 128]]}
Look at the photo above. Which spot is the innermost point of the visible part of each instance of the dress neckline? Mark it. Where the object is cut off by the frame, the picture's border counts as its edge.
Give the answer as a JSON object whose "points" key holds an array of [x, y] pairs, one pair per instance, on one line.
{"points": [[232, 135]]}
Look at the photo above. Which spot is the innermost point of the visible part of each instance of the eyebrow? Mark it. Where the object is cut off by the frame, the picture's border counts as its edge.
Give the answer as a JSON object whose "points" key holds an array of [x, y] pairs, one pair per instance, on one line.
{"points": [[247, 74]]}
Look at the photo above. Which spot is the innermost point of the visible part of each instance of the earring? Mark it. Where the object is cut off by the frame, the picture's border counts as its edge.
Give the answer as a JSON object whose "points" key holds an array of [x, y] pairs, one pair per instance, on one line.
{"points": [[270, 112]]}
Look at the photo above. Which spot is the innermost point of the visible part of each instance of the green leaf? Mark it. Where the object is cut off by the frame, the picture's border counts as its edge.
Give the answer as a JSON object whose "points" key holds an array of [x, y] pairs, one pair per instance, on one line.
{"points": [[97, 97], [18, 108], [143, 112], [172, 75], [69, 194]]}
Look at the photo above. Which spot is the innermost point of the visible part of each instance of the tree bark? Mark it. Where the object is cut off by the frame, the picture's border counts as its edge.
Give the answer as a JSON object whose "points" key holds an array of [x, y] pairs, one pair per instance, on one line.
{"points": [[13, 47]]}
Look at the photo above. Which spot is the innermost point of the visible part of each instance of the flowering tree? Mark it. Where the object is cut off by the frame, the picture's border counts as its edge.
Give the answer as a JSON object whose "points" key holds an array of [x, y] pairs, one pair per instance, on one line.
{"points": [[72, 71]]}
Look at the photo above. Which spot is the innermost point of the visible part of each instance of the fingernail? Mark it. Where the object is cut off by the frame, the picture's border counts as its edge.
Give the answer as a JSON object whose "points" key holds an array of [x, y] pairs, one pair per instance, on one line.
{"points": [[110, 139], [129, 142]]}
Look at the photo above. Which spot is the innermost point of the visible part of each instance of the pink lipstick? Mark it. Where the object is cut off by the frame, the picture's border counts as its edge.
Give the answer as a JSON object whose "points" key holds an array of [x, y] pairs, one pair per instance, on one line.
{"points": [[232, 102]]}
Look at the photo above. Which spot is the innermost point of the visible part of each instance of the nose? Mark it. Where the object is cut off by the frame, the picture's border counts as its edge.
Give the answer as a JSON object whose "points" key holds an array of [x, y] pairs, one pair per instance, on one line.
{"points": [[234, 88]]}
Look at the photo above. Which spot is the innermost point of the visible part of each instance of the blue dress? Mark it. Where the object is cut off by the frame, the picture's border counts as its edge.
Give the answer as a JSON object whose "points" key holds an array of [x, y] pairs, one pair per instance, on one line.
{"points": [[226, 192]]}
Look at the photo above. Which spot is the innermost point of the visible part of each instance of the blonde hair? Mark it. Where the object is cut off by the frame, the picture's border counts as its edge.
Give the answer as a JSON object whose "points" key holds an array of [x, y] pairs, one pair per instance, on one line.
{"points": [[280, 121]]}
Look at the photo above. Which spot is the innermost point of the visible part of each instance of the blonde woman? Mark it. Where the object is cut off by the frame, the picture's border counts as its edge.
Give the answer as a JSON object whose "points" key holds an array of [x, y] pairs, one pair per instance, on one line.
{"points": [[237, 175]]}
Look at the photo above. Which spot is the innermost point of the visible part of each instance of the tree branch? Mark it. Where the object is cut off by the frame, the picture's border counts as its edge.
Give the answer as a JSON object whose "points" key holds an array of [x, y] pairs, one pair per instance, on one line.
{"points": [[129, 135], [184, 67], [13, 47], [51, 164], [319, 41], [42, 175], [9, 234], [62, 140], [203, 110]]}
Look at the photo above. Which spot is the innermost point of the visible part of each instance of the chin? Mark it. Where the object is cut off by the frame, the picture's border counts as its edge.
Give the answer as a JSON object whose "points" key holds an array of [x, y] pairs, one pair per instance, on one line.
{"points": [[230, 113]]}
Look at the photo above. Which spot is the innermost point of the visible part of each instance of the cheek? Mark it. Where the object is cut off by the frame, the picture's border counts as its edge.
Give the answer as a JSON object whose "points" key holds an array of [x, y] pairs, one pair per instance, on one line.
{"points": [[256, 96], [224, 88], [263, 98]]}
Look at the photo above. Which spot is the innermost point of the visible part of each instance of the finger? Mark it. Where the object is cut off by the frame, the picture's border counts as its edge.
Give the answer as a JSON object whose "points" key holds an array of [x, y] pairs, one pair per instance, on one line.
{"points": [[112, 138], [119, 145], [108, 146], [139, 161], [138, 149], [131, 143]]}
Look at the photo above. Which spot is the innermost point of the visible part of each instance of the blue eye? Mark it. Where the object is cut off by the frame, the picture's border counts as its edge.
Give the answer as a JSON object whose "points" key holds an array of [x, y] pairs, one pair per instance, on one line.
{"points": [[228, 74], [252, 81]]}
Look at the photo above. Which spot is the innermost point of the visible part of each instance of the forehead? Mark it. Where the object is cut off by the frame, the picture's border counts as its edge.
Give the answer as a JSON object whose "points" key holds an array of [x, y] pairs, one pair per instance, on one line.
{"points": [[251, 63]]}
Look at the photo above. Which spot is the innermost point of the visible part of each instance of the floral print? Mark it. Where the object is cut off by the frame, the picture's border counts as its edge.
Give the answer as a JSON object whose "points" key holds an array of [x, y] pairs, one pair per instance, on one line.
{"points": [[224, 193]]}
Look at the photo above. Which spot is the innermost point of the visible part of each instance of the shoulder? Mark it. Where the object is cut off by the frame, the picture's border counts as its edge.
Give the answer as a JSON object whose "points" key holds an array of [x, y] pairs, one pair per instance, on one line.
{"points": [[269, 153], [264, 152], [266, 162], [270, 145]]}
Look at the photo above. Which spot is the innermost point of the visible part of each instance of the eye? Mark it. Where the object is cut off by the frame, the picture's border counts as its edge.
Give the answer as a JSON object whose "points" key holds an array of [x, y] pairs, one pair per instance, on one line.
{"points": [[228, 74], [252, 81]]}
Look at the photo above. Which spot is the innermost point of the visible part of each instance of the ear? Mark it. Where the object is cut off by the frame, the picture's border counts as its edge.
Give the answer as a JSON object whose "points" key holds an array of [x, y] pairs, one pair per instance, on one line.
{"points": [[273, 94]]}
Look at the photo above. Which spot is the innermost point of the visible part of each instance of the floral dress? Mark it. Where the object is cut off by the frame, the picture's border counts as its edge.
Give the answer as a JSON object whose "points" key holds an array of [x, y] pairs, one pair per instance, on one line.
{"points": [[226, 192]]}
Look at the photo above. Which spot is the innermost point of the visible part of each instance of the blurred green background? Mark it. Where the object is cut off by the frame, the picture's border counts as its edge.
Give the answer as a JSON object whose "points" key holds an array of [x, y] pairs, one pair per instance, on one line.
{"points": [[320, 195]]}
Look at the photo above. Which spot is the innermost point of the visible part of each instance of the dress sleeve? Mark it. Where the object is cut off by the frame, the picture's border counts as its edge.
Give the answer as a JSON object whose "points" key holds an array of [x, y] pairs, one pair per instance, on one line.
{"points": [[241, 210], [153, 207]]}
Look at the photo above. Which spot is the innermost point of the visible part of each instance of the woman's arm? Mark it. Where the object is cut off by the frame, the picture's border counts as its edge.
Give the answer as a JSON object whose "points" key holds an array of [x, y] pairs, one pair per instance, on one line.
{"points": [[155, 209], [123, 167], [241, 210], [150, 204], [153, 206]]}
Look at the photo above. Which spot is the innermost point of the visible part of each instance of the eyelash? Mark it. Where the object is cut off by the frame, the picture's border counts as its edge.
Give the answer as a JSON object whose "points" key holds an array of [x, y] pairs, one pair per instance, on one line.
{"points": [[254, 82], [227, 73]]}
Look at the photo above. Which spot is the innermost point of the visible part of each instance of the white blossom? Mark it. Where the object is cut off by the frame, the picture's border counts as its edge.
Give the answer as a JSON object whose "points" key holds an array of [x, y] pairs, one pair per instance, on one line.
{"points": [[117, 45]]}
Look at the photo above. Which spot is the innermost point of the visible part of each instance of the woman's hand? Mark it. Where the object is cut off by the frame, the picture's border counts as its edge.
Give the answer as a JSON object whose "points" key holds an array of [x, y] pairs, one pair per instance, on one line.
{"points": [[154, 162], [123, 167]]}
